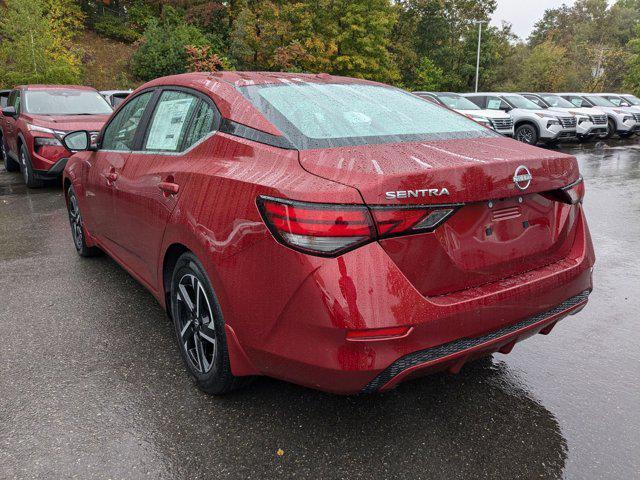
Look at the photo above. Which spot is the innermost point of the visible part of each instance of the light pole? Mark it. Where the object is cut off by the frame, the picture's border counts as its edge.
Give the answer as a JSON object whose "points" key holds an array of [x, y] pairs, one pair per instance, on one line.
{"points": [[479, 22]]}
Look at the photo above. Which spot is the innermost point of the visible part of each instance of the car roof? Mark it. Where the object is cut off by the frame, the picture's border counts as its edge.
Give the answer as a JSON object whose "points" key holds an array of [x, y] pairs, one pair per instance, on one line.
{"points": [[223, 86], [53, 87], [114, 92]]}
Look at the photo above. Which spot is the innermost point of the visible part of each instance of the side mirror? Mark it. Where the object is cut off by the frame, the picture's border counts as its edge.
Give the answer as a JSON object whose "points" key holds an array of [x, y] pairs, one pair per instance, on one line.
{"points": [[79, 141], [625, 104], [9, 112]]}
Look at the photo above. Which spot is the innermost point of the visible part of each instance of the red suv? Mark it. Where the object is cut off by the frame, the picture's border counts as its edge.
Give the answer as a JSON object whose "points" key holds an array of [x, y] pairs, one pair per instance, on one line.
{"points": [[36, 118], [336, 233]]}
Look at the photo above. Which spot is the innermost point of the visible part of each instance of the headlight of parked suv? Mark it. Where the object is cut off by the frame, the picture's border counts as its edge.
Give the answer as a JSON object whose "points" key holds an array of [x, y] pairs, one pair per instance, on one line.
{"points": [[482, 120], [553, 122]]}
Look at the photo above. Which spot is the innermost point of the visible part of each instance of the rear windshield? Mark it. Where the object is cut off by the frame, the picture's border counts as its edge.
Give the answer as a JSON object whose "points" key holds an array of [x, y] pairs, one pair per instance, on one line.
{"points": [[556, 101], [66, 102], [332, 115], [457, 102]]}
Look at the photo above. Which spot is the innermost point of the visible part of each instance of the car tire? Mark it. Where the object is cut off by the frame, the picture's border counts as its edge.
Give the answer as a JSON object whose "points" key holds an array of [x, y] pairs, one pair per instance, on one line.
{"points": [[9, 164], [28, 174], [77, 226], [526, 133], [611, 128], [199, 328]]}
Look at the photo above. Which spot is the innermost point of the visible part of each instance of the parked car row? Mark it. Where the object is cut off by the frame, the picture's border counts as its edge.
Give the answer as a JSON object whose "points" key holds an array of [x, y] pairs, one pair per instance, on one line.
{"points": [[547, 117], [35, 118]]}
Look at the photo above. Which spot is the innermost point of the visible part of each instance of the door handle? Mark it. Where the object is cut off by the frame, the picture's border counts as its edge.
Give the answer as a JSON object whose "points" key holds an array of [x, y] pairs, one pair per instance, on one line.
{"points": [[169, 188]]}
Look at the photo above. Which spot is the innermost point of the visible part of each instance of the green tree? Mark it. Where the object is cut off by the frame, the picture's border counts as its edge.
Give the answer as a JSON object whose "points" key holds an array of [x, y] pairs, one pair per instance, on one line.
{"points": [[544, 69], [163, 47], [428, 76], [37, 42]]}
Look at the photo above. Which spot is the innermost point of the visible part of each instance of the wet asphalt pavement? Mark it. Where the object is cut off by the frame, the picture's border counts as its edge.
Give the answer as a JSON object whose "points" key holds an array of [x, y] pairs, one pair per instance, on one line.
{"points": [[92, 385]]}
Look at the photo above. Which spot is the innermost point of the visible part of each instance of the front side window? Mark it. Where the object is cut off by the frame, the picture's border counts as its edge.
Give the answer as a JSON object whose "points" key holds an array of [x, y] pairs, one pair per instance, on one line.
{"points": [[557, 101], [617, 101], [600, 101], [539, 102], [496, 103], [65, 102], [121, 131], [633, 100], [518, 101], [318, 115], [170, 121], [457, 102]]}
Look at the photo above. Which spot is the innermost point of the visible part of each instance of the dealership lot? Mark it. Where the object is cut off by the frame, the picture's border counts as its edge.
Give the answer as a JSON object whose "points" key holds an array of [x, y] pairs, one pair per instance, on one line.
{"points": [[92, 384]]}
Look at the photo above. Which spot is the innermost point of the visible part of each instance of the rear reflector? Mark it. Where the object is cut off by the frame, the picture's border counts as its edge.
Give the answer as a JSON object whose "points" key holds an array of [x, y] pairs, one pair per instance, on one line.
{"points": [[333, 229], [378, 334]]}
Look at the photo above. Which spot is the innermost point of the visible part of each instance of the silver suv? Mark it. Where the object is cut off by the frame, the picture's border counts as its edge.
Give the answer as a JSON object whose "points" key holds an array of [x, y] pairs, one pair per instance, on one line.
{"points": [[592, 123], [532, 124], [499, 121], [620, 121]]}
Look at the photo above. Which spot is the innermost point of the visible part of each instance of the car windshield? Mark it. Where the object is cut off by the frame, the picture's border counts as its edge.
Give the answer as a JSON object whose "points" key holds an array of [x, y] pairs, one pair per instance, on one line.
{"points": [[632, 99], [457, 102], [599, 101], [518, 101], [556, 101], [317, 115], [66, 102]]}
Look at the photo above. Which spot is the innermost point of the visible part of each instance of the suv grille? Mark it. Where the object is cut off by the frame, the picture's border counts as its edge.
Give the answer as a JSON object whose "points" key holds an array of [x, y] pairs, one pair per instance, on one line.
{"points": [[568, 122], [637, 117], [599, 119], [502, 123]]}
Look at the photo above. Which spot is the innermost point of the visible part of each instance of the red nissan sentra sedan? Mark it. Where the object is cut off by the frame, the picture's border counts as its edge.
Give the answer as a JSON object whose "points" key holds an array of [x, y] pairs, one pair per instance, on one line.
{"points": [[336, 233]]}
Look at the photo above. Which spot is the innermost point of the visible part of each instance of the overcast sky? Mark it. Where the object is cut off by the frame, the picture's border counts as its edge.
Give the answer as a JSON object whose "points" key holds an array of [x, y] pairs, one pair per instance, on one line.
{"points": [[523, 14]]}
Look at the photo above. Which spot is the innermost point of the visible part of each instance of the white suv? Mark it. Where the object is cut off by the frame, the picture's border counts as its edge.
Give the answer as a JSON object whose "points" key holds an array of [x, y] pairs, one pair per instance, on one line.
{"points": [[591, 121], [499, 121], [620, 121], [531, 123]]}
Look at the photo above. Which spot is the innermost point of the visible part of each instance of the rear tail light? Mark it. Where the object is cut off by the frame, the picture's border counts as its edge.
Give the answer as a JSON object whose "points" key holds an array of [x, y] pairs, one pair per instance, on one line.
{"points": [[332, 229], [571, 194]]}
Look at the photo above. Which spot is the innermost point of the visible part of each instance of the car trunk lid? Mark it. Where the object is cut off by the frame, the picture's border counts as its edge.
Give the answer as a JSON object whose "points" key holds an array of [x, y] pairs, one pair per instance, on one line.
{"points": [[501, 229]]}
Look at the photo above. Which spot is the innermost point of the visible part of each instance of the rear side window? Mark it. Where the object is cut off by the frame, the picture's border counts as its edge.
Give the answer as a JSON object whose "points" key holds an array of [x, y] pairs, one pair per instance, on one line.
{"points": [[478, 100], [121, 131], [170, 121], [201, 124]]}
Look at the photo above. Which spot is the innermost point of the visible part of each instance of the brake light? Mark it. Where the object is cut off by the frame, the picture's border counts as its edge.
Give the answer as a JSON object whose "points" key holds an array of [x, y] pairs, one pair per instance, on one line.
{"points": [[332, 229], [571, 194]]}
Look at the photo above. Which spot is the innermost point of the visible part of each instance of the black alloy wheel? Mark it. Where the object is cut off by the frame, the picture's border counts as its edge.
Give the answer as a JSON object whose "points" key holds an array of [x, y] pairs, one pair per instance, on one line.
{"points": [[199, 327], [77, 227], [527, 134]]}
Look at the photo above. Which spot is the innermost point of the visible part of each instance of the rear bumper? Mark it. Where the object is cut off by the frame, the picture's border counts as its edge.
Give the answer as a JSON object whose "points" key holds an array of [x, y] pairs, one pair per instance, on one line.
{"points": [[364, 289], [453, 355]]}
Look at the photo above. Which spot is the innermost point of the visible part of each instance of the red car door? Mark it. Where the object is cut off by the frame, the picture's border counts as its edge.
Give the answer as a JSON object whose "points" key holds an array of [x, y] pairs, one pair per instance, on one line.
{"points": [[10, 126], [106, 166], [152, 179]]}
